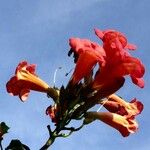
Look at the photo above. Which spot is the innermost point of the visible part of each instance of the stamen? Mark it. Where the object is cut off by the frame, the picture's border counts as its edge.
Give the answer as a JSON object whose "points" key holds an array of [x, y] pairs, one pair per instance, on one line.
{"points": [[102, 106], [55, 73]]}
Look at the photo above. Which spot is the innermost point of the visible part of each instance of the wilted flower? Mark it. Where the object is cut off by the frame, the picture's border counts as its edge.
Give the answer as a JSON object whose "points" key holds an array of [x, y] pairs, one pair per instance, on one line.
{"points": [[52, 111]]}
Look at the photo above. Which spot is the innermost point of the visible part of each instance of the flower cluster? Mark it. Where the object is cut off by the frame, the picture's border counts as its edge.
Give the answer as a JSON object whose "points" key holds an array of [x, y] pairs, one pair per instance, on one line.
{"points": [[99, 72], [113, 59], [121, 114], [114, 62]]}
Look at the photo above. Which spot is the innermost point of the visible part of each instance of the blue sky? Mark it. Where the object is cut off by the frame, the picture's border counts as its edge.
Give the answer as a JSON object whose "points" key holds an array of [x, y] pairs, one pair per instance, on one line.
{"points": [[38, 31]]}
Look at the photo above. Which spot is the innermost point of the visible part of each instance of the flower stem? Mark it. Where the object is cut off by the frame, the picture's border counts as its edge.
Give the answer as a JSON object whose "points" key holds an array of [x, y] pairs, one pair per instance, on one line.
{"points": [[56, 133], [50, 140], [48, 143]]}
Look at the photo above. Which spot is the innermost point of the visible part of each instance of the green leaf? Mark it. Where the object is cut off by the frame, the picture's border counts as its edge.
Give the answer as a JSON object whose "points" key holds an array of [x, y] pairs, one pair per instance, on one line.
{"points": [[17, 145], [3, 128]]}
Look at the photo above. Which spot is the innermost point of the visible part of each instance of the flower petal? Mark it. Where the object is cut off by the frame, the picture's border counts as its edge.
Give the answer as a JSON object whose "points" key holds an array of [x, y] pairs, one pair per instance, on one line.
{"points": [[138, 81], [131, 46], [23, 95], [99, 33]]}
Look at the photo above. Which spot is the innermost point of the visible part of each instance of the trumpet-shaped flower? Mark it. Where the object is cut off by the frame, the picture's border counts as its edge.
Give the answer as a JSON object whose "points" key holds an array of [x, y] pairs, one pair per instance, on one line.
{"points": [[115, 104], [89, 53], [123, 124], [25, 80], [118, 61]]}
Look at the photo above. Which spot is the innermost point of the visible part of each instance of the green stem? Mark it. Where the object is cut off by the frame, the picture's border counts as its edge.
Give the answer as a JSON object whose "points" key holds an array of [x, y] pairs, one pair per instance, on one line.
{"points": [[48, 143], [50, 140], [73, 129]]}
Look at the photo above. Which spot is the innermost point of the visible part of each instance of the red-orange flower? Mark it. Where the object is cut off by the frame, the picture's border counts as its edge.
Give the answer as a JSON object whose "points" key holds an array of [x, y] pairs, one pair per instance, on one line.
{"points": [[114, 60], [25, 80], [115, 104], [89, 53], [118, 61], [123, 124], [121, 115]]}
